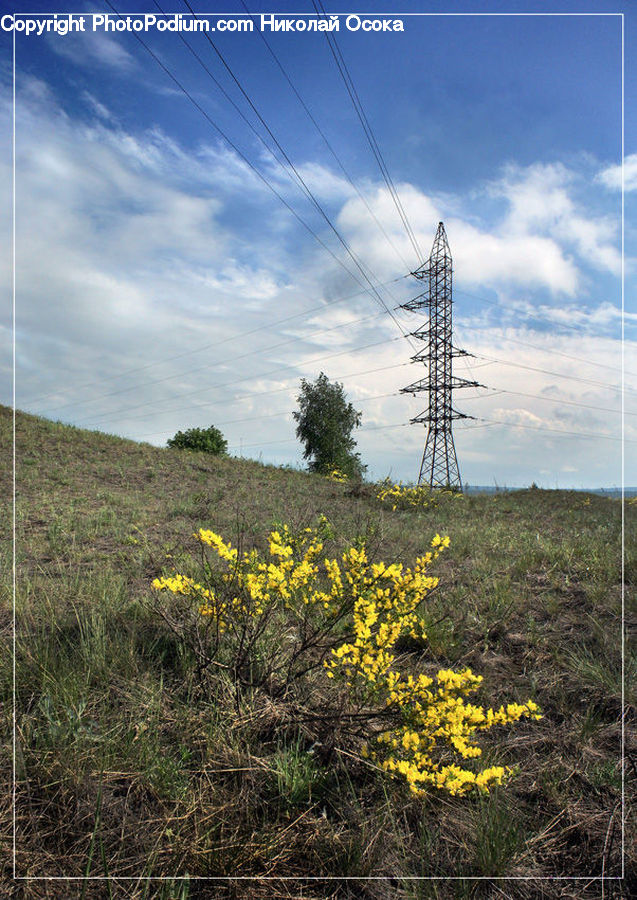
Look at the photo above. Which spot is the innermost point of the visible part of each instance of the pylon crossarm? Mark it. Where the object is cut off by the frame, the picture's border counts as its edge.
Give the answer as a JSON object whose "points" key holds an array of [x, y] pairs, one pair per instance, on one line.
{"points": [[422, 385], [423, 272], [416, 303], [464, 382], [422, 334]]}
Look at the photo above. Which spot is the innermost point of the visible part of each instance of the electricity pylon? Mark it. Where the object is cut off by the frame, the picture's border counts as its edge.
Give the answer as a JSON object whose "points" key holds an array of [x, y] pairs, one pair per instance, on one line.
{"points": [[439, 467]]}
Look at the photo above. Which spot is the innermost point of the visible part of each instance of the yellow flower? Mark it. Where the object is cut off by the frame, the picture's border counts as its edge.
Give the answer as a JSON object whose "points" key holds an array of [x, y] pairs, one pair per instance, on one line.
{"points": [[213, 540]]}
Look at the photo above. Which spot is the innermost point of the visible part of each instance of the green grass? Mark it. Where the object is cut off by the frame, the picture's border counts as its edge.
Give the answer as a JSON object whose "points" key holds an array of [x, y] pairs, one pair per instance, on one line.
{"points": [[126, 767]]}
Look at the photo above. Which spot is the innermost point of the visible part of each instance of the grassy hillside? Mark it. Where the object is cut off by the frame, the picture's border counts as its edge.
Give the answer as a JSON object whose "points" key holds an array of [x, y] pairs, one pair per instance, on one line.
{"points": [[129, 765]]}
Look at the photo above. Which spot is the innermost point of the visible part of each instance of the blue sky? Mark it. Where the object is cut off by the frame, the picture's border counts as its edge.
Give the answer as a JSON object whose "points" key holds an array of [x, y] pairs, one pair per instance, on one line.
{"points": [[161, 283]]}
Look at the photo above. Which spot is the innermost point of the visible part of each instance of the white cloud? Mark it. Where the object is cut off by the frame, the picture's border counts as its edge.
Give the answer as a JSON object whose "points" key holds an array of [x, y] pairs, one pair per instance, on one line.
{"points": [[391, 250], [540, 203], [594, 319], [492, 257], [516, 259], [93, 47], [98, 108], [520, 416], [323, 183], [611, 176], [537, 196]]}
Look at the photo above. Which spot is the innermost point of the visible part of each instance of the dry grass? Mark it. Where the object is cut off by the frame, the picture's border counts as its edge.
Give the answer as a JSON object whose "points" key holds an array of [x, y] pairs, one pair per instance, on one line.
{"points": [[126, 769]]}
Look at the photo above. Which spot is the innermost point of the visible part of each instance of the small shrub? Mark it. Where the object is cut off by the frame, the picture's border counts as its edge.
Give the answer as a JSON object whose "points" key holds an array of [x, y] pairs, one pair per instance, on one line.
{"points": [[270, 621], [400, 496], [419, 496], [206, 440]]}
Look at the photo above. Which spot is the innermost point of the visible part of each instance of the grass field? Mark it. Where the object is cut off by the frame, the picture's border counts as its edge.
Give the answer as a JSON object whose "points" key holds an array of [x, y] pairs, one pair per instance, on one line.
{"points": [[128, 768]]}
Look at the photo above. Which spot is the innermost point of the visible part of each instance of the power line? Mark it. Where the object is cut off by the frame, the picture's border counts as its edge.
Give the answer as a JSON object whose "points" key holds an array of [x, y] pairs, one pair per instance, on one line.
{"points": [[276, 415], [606, 437], [239, 399], [493, 359], [526, 314], [294, 440], [579, 359], [497, 391], [192, 371], [353, 256], [108, 416], [326, 141], [265, 180], [369, 134], [236, 399], [300, 182], [487, 422], [265, 374], [286, 412], [200, 349], [506, 362], [523, 312]]}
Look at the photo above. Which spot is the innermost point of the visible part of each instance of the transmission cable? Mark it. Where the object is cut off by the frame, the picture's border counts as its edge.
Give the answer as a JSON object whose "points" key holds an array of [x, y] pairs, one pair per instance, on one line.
{"points": [[203, 406], [488, 422], [579, 359], [369, 134], [496, 391], [606, 437], [353, 256], [276, 415], [506, 362], [327, 142], [211, 365], [265, 374], [109, 416], [262, 177], [294, 440], [254, 395], [235, 399], [258, 394], [200, 349], [522, 312]]}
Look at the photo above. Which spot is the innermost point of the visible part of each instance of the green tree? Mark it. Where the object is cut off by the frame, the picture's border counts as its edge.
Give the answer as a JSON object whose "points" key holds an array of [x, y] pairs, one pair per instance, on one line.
{"points": [[206, 440], [325, 421]]}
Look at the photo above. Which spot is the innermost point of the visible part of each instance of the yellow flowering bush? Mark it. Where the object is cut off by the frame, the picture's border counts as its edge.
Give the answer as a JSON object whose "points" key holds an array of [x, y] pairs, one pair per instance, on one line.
{"points": [[262, 615], [402, 496], [272, 618], [338, 476]]}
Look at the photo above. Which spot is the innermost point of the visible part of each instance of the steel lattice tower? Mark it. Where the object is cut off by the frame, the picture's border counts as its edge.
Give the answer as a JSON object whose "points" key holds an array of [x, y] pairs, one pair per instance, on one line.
{"points": [[439, 467]]}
